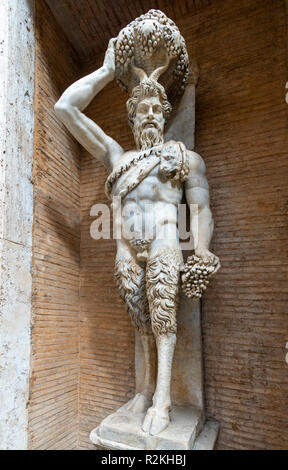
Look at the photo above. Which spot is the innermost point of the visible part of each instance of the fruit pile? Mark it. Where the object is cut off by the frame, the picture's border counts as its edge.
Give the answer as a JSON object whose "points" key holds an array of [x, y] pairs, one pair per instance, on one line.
{"points": [[142, 41], [195, 277]]}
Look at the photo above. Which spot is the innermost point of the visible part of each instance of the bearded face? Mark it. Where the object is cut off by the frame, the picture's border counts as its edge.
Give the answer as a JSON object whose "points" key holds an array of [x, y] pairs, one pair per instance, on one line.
{"points": [[149, 123]]}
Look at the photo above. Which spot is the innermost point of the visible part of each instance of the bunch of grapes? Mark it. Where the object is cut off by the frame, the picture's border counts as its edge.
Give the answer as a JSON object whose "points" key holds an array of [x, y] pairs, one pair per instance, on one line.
{"points": [[195, 277]]}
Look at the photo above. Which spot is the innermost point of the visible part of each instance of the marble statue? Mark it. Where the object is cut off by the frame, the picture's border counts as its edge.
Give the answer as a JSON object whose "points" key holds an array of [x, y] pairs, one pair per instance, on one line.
{"points": [[150, 180]]}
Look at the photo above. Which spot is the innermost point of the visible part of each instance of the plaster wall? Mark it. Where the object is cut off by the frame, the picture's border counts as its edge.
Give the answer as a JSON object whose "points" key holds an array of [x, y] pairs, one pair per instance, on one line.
{"points": [[16, 214]]}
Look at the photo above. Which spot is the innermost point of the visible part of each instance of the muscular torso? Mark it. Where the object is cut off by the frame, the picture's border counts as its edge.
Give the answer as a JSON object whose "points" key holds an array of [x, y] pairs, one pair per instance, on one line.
{"points": [[154, 197], [150, 209]]}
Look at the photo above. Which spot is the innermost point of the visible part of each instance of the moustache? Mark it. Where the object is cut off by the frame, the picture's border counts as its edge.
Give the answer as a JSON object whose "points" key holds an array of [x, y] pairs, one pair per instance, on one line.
{"points": [[153, 123]]}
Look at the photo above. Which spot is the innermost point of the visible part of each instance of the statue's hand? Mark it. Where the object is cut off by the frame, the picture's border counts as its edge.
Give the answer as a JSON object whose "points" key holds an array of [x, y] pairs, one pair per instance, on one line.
{"points": [[208, 257], [109, 59]]}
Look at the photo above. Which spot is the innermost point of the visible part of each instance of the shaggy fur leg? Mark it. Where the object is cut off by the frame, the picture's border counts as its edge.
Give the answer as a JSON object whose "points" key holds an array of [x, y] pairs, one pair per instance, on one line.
{"points": [[162, 291], [130, 278]]}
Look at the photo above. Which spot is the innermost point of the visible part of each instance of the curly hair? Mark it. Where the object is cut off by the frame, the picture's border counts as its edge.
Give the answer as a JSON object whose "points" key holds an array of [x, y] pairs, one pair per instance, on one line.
{"points": [[147, 88]]}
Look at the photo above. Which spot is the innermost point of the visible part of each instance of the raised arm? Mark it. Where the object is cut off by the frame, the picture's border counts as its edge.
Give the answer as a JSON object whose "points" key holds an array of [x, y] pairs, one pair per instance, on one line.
{"points": [[197, 192], [69, 109]]}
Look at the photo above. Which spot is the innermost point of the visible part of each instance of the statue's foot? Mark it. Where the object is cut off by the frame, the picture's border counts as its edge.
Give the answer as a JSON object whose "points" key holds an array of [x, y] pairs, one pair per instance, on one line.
{"points": [[156, 420], [139, 404]]}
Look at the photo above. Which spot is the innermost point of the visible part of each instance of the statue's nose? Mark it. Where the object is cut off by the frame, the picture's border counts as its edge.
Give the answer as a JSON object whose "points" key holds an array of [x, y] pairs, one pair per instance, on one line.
{"points": [[150, 113]]}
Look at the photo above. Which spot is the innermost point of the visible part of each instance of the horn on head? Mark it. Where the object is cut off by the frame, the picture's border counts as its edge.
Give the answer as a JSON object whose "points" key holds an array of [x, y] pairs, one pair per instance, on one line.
{"points": [[157, 72], [141, 74]]}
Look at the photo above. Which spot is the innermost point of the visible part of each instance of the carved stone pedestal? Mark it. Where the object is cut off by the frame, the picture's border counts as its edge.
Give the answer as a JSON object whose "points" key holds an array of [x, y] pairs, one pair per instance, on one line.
{"points": [[122, 431], [187, 429]]}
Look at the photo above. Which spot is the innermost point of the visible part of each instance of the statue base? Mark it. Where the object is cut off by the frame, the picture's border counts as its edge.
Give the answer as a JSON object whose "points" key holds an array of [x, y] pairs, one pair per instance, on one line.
{"points": [[122, 431]]}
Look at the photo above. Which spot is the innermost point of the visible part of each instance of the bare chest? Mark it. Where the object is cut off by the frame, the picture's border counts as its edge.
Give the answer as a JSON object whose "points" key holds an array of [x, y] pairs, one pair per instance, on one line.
{"points": [[156, 188]]}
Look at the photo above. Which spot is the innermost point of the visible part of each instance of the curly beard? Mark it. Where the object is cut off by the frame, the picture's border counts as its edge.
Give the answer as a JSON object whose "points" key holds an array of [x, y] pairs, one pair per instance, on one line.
{"points": [[147, 138]]}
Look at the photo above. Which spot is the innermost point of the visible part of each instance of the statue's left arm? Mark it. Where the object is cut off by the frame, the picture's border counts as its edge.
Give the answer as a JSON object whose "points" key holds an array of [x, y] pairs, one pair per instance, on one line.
{"points": [[197, 193]]}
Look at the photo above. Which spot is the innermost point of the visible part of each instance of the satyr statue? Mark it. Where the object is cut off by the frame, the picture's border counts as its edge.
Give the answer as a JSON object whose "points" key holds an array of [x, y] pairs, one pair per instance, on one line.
{"points": [[150, 181]]}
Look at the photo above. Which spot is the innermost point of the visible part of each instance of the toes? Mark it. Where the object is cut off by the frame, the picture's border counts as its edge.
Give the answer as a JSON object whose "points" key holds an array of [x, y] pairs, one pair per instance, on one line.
{"points": [[159, 423], [147, 420], [155, 421]]}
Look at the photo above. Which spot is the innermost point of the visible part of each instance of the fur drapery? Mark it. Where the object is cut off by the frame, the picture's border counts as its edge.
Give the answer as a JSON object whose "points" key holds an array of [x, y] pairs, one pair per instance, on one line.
{"points": [[162, 283], [130, 278]]}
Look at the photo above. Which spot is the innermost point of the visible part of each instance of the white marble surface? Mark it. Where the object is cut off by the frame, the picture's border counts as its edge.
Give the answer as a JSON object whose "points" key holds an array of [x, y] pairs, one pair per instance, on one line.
{"points": [[122, 430], [181, 125], [151, 180], [208, 436], [187, 370]]}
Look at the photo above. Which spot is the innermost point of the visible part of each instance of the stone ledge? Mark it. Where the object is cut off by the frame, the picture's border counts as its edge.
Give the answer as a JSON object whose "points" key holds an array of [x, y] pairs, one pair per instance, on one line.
{"points": [[208, 436], [122, 431]]}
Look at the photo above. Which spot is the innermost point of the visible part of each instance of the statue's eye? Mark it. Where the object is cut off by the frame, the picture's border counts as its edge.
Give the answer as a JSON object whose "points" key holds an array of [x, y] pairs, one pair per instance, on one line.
{"points": [[142, 109]]}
